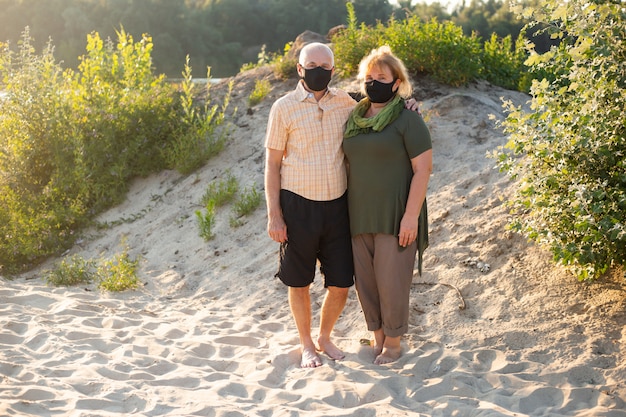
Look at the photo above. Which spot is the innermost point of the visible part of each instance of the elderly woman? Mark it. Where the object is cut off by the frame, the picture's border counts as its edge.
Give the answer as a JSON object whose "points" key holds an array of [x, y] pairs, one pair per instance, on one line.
{"points": [[389, 155]]}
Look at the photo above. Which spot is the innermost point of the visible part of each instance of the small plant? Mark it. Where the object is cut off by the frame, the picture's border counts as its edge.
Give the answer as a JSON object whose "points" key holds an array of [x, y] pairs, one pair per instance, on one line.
{"points": [[206, 221], [247, 202], [200, 134], [71, 271], [263, 58], [221, 192], [261, 90], [283, 66], [119, 273]]}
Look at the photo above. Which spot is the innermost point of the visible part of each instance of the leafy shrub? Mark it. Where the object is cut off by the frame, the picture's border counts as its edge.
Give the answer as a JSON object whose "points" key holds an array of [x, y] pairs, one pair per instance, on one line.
{"points": [[42, 192], [122, 115], [71, 141], [351, 44], [261, 90], [283, 66], [502, 63], [568, 151], [221, 192], [119, 273], [217, 194], [247, 202], [71, 271], [440, 50], [198, 135]]}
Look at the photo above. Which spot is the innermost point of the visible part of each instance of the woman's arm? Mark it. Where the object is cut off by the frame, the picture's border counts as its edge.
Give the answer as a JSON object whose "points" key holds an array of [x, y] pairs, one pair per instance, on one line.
{"points": [[422, 168]]}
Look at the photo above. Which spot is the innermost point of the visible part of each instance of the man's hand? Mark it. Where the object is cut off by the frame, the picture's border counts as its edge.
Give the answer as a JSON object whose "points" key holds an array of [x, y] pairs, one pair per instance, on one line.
{"points": [[277, 229], [412, 105]]}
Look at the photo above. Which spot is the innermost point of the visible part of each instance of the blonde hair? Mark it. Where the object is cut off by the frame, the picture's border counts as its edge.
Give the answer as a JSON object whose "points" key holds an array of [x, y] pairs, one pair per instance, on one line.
{"points": [[384, 57]]}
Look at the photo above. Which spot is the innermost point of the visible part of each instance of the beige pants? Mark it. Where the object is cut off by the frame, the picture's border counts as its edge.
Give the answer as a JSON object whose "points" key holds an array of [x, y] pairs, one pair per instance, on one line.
{"points": [[383, 272]]}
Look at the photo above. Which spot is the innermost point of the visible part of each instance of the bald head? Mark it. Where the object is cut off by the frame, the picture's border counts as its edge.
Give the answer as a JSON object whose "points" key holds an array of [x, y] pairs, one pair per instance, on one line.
{"points": [[316, 54]]}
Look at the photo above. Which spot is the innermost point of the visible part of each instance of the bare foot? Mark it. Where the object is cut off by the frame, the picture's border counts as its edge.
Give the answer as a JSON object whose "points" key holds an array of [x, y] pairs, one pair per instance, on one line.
{"points": [[330, 349], [310, 358], [388, 355], [378, 342]]}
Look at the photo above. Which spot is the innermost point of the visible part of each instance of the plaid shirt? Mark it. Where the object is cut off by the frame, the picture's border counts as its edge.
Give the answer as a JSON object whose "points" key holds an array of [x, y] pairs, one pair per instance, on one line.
{"points": [[310, 134]]}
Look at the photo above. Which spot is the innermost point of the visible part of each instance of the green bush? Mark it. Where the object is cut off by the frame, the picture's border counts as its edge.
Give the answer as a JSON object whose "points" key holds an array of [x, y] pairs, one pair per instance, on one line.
{"points": [[261, 89], [199, 134], [221, 192], [119, 273], [71, 271], [116, 274], [502, 63], [440, 50], [568, 151], [122, 116], [247, 202], [70, 142], [42, 192], [351, 44]]}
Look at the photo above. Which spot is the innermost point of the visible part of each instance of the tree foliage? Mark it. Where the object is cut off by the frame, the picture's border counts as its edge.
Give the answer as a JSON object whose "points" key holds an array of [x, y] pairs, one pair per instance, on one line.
{"points": [[222, 34], [568, 151]]}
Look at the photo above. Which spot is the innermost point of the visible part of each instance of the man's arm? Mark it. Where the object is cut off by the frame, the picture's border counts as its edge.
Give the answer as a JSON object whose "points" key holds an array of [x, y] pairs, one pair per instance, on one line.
{"points": [[276, 227]]}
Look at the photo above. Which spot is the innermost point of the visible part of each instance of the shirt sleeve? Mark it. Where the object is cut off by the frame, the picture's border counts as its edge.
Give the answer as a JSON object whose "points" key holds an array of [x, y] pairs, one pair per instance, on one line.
{"points": [[416, 135], [276, 134]]}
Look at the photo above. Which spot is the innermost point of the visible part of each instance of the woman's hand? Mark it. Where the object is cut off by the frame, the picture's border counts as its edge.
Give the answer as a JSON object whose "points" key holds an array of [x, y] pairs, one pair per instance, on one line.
{"points": [[408, 231]]}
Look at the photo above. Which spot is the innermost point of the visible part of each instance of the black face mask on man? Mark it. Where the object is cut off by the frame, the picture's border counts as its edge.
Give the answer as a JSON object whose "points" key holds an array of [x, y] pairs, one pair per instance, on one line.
{"points": [[317, 78], [379, 92]]}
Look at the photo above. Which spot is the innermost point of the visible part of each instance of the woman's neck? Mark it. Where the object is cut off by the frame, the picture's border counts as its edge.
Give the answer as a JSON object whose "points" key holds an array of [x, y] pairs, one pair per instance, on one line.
{"points": [[374, 109]]}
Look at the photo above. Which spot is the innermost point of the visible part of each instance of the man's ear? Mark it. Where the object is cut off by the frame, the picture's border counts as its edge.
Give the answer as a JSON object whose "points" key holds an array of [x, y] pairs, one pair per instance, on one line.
{"points": [[300, 70]]}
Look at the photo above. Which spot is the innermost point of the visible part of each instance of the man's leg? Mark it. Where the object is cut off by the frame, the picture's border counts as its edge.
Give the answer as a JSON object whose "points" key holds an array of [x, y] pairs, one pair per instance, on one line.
{"points": [[300, 303], [334, 303]]}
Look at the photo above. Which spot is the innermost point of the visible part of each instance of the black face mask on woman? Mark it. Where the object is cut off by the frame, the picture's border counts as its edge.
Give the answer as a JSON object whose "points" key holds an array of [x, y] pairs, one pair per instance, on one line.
{"points": [[317, 78], [379, 92]]}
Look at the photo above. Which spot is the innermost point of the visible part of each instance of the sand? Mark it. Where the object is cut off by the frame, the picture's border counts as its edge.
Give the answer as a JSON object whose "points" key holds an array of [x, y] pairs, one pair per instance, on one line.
{"points": [[210, 332]]}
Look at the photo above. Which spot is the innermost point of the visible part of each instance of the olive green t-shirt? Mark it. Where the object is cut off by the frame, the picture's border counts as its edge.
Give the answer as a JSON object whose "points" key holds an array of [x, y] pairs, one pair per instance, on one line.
{"points": [[380, 173]]}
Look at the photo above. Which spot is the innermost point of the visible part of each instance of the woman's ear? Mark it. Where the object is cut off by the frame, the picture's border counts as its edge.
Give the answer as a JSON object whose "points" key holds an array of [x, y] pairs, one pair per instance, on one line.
{"points": [[396, 85]]}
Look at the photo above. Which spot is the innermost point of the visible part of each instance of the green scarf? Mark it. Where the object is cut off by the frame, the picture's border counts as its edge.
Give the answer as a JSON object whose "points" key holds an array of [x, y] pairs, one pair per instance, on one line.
{"points": [[358, 124]]}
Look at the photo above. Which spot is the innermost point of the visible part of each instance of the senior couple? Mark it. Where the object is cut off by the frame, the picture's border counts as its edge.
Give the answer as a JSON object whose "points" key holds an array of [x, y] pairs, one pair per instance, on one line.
{"points": [[345, 185]]}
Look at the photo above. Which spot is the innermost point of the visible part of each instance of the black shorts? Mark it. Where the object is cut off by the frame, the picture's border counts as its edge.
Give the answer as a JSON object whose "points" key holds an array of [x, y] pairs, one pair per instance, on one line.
{"points": [[316, 230]]}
